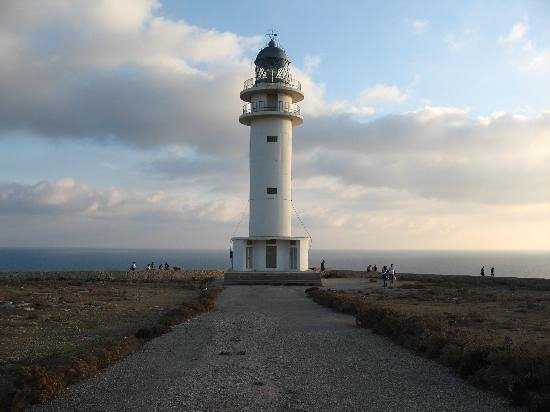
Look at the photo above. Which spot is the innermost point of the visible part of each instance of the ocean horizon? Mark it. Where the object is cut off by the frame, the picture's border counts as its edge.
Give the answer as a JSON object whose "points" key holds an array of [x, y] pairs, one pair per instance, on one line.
{"points": [[450, 262]]}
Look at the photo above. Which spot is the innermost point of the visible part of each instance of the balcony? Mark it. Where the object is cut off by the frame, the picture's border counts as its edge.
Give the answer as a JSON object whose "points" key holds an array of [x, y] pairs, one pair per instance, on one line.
{"points": [[261, 109], [290, 87], [293, 83]]}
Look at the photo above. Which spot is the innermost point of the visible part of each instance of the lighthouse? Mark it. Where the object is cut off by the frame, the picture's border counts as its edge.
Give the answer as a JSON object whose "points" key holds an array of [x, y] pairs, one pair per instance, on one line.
{"points": [[271, 112]]}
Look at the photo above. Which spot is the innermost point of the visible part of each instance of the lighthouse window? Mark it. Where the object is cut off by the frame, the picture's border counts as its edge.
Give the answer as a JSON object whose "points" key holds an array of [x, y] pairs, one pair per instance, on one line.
{"points": [[272, 139], [271, 190]]}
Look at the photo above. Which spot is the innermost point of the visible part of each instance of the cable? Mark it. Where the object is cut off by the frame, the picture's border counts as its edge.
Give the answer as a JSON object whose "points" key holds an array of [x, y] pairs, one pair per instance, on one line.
{"points": [[238, 224], [302, 223]]}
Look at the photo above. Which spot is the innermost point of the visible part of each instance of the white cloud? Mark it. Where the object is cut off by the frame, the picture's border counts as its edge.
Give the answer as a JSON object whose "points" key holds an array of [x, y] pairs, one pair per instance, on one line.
{"points": [[311, 63], [517, 33], [128, 76], [540, 61], [418, 25], [524, 53], [382, 93]]}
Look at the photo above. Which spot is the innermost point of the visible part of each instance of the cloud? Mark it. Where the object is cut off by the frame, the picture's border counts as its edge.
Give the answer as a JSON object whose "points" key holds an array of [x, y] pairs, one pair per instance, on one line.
{"points": [[132, 77], [434, 153], [524, 52], [418, 25], [67, 197], [540, 61], [382, 92], [517, 33], [457, 41], [311, 63]]}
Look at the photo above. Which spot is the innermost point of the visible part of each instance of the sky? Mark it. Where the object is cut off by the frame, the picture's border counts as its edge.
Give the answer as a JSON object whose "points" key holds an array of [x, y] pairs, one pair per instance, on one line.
{"points": [[426, 124]]}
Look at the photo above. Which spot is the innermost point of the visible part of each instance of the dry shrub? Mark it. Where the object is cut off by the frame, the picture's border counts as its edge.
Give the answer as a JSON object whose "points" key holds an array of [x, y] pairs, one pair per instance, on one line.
{"points": [[520, 372], [341, 303]]}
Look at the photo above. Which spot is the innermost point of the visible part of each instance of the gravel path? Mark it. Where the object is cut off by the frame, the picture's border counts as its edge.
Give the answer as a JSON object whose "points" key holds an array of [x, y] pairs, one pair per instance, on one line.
{"points": [[271, 348]]}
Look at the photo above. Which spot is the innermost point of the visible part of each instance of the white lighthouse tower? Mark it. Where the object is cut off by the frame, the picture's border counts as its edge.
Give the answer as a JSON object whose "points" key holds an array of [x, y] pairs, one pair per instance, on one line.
{"points": [[271, 112]]}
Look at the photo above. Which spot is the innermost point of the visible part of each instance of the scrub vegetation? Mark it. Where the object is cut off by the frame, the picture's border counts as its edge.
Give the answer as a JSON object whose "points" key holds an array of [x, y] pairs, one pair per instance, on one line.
{"points": [[59, 328], [494, 332]]}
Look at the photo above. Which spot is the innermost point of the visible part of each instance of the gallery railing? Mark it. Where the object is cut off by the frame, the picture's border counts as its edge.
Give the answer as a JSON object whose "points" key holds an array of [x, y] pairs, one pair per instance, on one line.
{"points": [[282, 107], [295, 84]]}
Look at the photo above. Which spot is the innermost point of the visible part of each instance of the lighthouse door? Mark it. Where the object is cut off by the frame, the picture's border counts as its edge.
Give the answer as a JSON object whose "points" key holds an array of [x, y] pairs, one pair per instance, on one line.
{"points": [[271, 257]]}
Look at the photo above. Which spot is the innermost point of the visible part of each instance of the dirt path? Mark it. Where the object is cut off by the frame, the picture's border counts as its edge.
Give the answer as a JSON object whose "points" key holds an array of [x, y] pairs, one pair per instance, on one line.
{"points": [[271, 348]]}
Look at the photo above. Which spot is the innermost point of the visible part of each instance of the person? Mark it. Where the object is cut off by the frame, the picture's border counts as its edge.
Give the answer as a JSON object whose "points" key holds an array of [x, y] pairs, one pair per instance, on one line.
{"points": [[384, 277], [166, 266], [482, 272], [375, 268], [231, 257], [393, 277], [148, 266], [493, 271], [368, 269], [133, 267], [160, 266], [323, 267]]}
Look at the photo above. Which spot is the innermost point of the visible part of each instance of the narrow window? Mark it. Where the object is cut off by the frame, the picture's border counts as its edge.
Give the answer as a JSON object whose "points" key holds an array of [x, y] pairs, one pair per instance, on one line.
{"points": [[271, 190], [272, 139], [249, 257]]}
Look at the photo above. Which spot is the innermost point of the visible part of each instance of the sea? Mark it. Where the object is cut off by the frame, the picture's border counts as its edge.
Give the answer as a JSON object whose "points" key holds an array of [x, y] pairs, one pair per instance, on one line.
{"points": [[533, 264]]}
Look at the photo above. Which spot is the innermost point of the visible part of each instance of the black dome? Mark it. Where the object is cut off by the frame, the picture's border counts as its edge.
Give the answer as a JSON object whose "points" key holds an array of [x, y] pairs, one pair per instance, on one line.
{"points": [[272, 56]]}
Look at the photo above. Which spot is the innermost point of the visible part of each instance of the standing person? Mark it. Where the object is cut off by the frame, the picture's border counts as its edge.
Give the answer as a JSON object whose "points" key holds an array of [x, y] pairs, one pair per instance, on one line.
{"points": [[482, 271], [375, 268], [166, 266], [493, 271], [231, 257], [368, 269], [323, 267], [384, 277], [392, 274], [133, 267]]}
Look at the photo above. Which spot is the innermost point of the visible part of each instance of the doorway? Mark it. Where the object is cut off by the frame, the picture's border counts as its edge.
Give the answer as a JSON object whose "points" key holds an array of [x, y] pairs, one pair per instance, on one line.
{"points": [[271, 257]]}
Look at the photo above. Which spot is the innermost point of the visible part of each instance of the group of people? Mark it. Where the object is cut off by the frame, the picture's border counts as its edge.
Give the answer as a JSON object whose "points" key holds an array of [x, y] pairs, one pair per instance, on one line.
{"points": [[482, 271], [387, 273], [151, 266]]}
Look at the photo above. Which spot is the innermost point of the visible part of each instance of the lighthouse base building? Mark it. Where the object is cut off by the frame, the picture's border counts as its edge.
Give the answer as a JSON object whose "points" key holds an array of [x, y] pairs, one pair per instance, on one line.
{"points": [[270, 253], [289, 254]]}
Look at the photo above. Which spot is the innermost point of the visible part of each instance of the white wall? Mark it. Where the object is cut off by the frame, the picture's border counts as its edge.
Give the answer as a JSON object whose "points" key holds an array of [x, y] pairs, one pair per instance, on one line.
{"points": [[303, 264], [270, 166], [239, 258]]}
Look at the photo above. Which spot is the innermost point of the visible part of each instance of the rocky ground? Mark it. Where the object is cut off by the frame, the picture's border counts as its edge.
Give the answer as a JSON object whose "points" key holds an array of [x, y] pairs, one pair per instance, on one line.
{"points": [[271, 348]]}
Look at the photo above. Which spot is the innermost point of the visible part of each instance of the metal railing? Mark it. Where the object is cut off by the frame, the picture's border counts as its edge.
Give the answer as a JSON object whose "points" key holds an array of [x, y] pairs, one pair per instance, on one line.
{"points": [[295, 84], [282, 107]]}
